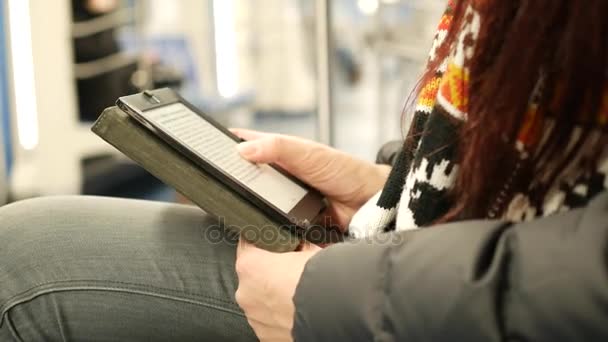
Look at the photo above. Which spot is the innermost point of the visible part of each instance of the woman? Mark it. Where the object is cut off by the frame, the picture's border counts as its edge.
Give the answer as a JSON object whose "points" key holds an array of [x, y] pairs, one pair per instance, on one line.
{"points": [[510, 122]]}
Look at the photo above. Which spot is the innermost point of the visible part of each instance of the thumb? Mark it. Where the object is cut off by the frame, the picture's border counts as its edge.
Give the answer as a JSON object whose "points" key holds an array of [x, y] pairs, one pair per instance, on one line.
{"points": [[245, 247], [258, 151], [313, 163], [283, 150], [307, 246]]}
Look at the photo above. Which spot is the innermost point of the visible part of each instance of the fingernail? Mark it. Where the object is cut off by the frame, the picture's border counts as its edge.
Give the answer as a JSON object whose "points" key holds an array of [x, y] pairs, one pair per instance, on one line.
{"points": [[247, 149]]}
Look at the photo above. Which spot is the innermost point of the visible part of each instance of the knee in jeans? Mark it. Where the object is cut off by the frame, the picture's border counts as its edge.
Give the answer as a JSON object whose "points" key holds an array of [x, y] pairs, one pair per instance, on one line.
{"points": [[34, 212], [15, 212], [26, 228], [33, 235]]}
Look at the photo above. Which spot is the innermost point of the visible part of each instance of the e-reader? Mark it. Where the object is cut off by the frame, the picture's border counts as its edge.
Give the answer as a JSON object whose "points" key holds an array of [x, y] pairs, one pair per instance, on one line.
{"points": [[213, 148]]}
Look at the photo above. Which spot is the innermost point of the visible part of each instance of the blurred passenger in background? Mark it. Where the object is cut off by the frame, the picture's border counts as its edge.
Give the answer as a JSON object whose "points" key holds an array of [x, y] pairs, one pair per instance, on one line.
{"points": [[102, 72], [510, 122]]}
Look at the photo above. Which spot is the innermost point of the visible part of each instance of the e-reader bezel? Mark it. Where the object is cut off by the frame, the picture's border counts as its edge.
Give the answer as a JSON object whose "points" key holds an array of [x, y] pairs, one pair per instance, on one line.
{"points": [[298, 219]]}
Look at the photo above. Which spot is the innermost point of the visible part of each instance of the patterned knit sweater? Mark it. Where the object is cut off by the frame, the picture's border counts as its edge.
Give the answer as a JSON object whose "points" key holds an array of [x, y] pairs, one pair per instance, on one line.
{"points": [[415, 194]]}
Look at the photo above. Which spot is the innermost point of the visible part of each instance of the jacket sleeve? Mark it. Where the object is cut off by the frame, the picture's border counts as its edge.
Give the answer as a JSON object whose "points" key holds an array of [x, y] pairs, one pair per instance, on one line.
{"points": [[545, 280]]}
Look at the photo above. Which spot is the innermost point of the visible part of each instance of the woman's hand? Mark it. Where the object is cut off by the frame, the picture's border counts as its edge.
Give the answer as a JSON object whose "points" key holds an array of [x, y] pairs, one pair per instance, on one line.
{"points": [[347, 182], [267, 284]]}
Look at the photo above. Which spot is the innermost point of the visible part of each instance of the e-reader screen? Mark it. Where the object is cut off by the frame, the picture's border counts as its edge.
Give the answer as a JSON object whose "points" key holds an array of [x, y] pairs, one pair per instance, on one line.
{"points": [[211, 144]]}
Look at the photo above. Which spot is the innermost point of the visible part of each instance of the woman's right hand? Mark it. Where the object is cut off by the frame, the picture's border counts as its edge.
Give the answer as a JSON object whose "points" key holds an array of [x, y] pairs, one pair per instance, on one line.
{"points": [[346, 181]]}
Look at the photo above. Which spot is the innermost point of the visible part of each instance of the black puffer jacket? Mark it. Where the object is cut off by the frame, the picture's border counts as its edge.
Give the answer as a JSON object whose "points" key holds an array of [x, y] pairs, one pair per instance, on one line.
{"points": [[545, 280]]}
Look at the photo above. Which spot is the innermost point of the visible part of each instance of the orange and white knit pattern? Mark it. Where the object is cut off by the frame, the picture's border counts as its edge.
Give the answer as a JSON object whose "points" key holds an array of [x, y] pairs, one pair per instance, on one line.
{"points": [[415, 194]]}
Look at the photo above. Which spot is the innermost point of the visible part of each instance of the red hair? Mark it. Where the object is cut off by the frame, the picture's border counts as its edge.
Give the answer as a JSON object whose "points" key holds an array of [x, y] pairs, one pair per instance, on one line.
{"points": [[519, 40]]}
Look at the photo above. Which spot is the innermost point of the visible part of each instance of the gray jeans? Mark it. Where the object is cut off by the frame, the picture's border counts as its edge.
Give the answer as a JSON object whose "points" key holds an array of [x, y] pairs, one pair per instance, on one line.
{"points": [[100, 269]]}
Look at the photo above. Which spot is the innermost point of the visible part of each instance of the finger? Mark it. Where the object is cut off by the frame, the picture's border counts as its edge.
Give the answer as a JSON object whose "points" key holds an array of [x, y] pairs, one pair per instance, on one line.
{"points": [[242, 247], [248, 249], [247, 134], [307, 246], [337, 216], [266, 149], [289, 152]]}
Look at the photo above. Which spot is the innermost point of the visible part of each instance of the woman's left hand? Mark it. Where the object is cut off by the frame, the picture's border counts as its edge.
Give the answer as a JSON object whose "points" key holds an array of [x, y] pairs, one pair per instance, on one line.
{"points": [[267, 284]]}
